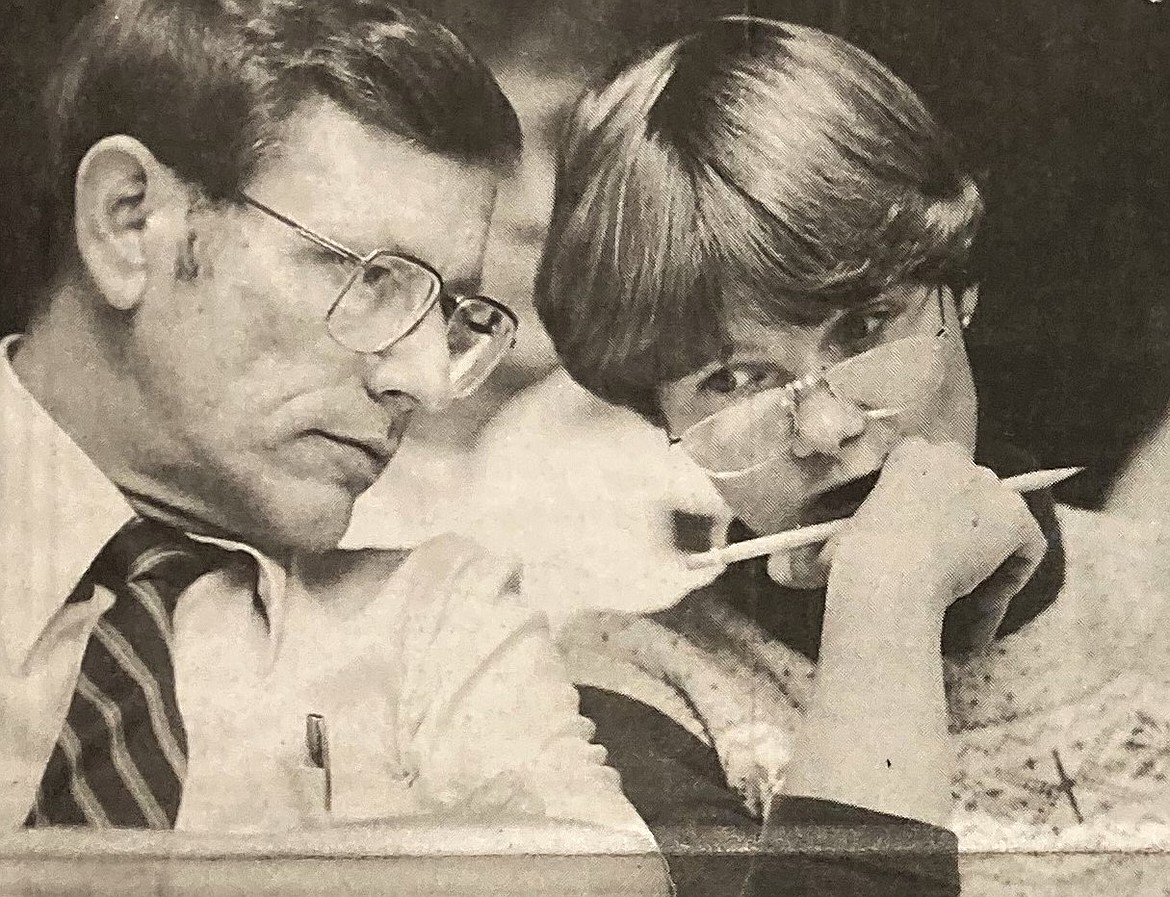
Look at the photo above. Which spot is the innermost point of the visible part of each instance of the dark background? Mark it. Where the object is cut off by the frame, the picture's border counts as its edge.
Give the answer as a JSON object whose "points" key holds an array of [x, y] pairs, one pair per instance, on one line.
{"points": [[1063, 107]]}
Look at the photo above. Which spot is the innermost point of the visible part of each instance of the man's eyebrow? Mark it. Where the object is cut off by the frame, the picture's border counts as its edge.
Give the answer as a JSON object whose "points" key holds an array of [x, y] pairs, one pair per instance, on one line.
{"points": [[458, 286], [463, 286]]}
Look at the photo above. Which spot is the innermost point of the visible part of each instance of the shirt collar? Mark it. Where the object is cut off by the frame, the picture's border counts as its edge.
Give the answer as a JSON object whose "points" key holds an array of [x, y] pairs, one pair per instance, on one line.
{"points": [[271, 584], [59, 511]]}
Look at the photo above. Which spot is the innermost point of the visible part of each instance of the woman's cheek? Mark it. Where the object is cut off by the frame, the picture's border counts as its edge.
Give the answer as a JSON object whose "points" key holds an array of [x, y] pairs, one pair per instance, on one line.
{"points": [[765, 498]]}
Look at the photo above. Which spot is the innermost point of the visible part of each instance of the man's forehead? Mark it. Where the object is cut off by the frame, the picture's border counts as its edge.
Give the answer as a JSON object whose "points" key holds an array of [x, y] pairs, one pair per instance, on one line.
{"points": [[370, 189]]}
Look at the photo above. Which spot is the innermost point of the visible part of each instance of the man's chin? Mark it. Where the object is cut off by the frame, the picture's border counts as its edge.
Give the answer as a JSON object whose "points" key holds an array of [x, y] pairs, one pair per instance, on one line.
{"points": [[308, 526]]}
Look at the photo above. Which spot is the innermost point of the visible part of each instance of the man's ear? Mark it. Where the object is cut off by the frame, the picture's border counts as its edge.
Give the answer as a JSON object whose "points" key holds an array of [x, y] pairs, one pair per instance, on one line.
{"points": [[968, 302], [124, 199]]}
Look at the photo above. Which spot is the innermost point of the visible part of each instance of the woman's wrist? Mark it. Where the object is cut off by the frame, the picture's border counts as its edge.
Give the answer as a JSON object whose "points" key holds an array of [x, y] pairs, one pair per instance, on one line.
{"points": [[880, 577]]}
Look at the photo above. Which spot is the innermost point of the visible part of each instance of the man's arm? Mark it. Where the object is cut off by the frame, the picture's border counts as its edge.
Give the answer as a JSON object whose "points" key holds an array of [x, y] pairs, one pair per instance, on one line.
{"points": [[489, 715]]}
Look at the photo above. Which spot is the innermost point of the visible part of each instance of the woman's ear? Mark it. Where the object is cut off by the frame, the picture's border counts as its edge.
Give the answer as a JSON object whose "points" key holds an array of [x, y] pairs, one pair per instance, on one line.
{"points": [[968, 302], [121, 192]]}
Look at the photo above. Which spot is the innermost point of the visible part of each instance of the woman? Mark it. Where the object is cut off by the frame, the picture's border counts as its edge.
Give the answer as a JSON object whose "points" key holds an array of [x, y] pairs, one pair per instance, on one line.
{"points": [[760, 243]]}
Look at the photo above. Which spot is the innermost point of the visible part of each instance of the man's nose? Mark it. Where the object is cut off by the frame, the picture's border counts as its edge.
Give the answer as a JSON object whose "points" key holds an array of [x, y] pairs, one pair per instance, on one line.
{"points": [[418, 365], [823, 423]]}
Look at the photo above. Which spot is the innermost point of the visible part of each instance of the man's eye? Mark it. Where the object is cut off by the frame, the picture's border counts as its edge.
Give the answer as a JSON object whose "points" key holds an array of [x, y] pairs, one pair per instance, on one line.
{"points": [[333, 261], [730, 381], [377, 276]]}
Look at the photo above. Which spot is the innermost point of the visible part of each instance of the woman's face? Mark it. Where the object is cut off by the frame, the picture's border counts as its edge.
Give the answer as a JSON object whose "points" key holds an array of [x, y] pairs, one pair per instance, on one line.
{"points": [[818, 458]]}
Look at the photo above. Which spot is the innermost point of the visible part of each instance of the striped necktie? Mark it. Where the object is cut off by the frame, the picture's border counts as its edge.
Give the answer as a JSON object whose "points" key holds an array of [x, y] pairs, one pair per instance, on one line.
{"points": [[121, 757]]}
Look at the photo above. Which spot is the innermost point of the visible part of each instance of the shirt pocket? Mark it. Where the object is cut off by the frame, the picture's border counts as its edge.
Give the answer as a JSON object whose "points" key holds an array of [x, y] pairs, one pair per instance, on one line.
{"points": [[369, 779]]}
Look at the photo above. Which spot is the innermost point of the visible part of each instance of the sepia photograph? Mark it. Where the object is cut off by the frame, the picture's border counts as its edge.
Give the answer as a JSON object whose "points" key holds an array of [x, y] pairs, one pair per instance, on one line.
{"points": [[590, 447]]}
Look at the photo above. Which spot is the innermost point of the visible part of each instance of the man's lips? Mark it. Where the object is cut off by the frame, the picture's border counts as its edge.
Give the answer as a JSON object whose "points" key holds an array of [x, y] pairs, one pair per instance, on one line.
{"points": [[378, 450], [359, 460], [840, 501]]}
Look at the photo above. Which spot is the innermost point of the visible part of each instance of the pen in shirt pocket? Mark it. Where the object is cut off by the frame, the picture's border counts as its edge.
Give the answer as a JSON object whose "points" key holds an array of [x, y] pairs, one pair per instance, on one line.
{"points": [[317, 745]]}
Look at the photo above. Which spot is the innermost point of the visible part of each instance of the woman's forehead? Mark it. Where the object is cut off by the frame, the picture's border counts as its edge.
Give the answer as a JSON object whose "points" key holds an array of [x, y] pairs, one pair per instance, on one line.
{"points": [[748, 335], [755, 324]]}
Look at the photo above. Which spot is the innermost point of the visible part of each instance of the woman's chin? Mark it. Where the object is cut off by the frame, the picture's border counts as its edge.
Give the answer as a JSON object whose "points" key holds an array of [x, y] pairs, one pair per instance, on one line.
{"points": [[800, 569]]}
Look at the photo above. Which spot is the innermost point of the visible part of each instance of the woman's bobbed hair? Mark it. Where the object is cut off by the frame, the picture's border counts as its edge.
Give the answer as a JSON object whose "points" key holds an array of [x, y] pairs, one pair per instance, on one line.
{"points": [[751, 167]]}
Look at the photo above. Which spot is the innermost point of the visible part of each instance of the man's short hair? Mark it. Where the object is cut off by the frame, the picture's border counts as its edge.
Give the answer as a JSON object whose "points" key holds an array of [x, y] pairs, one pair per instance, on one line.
{"points": [[207, 84], [752, 167]]}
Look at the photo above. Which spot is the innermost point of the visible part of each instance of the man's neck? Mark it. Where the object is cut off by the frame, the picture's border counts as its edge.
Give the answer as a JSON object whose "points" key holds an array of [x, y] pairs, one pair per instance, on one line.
{"points": [[73, 364], [66, 366], [191, 522], [71, 368]]}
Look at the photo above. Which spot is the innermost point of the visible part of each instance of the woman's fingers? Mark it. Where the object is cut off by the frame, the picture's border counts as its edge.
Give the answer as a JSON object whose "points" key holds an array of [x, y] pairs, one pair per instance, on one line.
{"points": [[996, 592], [947, 519]]}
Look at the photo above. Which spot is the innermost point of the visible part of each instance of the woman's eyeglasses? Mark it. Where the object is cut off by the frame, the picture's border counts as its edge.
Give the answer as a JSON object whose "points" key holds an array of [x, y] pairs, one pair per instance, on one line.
{"points": [[882, 382], [388, 294]]}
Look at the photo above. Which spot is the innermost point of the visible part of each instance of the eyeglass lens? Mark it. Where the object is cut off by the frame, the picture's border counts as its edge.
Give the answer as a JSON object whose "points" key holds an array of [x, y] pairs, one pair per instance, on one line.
{"points": [[479, 334], [389, 295], [383, 300], [893, 376]]}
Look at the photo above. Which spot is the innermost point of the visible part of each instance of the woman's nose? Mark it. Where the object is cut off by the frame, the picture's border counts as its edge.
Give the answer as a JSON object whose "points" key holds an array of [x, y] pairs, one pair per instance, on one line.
{"points": [[823, 423]]}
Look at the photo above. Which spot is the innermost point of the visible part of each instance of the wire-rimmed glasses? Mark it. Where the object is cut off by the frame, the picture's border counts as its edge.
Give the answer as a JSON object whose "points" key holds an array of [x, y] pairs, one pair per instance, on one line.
{"points": [[882, 382], [388, 294]]}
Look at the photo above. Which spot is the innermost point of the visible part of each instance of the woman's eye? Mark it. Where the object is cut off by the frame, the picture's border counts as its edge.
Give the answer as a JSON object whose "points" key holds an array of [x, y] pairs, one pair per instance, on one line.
{"points": [[482, 319], [866, 327], [729, 381]]}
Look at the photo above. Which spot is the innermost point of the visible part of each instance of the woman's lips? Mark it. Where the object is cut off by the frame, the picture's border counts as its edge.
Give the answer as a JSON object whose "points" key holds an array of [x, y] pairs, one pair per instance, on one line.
{"points": [[805, 568], [840, 501]]}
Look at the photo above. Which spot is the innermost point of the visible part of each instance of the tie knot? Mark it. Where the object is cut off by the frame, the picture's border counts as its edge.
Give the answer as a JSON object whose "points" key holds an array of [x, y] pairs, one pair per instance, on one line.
{"points": [[149, 550]]}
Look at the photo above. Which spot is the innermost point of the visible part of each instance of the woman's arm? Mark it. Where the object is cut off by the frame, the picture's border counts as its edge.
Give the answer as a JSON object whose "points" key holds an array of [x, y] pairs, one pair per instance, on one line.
{"points": [[714, 847], [935, 528], [876, 732]]}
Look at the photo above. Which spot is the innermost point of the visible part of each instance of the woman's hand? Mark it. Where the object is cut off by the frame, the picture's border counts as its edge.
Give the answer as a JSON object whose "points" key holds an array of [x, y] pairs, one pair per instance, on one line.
{"points": [[951, 524]]}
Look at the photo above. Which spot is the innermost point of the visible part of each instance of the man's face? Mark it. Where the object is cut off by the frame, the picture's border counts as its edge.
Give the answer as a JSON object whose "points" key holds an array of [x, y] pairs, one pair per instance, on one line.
{"points": [[820, 461], [260, 424]]}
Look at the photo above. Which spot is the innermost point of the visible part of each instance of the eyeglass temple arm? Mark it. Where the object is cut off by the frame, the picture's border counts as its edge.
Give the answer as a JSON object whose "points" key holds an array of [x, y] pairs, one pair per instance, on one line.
{"points": [[310, 235], [964, 317]]}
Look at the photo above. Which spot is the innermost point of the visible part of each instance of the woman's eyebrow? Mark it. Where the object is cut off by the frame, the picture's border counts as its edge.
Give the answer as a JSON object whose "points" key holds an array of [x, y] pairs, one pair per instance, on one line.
{"points": [[747, 353], [897, 300]]}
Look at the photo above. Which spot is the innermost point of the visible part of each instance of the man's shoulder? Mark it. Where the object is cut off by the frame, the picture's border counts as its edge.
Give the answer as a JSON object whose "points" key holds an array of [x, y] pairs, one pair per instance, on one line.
{"points": [[440, 570], [441, 609]]}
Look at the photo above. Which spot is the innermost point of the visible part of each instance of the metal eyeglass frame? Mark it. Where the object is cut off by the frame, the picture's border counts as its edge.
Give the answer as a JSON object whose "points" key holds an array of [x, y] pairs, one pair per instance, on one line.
{"points": [[794, 389], [362, 263]]}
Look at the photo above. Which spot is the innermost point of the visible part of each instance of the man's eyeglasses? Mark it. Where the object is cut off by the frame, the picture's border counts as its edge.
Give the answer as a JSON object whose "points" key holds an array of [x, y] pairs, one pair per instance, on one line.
{"points": [[882, 382], [388, 294]]}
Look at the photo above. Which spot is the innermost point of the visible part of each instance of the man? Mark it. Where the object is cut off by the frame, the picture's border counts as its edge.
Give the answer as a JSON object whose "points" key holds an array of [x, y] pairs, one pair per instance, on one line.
{"points": [[266, 213]]}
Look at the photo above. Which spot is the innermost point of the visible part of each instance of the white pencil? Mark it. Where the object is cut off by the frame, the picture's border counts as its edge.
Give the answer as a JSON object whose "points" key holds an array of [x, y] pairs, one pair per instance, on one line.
{"points": [[821, 532]]}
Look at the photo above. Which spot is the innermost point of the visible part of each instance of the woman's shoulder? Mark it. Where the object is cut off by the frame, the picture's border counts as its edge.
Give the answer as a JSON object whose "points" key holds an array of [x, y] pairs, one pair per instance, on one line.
{"points": [[701, 662], [629, 655], [1116, 590], [596, 643], [1117, 582], [1114, 544], [1107, 622], [1139, 535]]}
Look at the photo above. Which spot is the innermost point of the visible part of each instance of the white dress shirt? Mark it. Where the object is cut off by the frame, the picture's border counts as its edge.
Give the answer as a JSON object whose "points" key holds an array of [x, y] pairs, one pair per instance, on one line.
{"points": [[441, 694]]}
